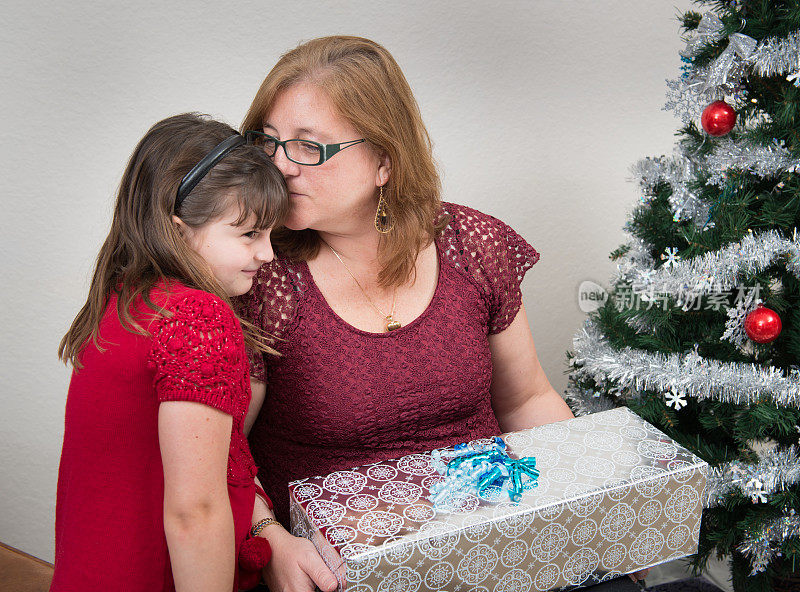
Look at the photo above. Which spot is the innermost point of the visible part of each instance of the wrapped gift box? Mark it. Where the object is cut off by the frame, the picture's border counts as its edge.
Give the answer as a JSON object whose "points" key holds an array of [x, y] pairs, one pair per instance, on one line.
{"points": [[614, 495]]}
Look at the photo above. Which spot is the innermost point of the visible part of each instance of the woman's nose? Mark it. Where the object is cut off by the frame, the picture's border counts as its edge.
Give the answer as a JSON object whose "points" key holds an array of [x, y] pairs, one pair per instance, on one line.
{"points": [[285, 166]]}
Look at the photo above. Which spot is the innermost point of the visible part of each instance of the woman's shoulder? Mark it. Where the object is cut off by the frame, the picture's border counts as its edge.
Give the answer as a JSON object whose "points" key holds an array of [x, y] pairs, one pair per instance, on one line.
{"points": [[462, 212], [282, 271], [278, 289], [482, 235], [472, 224], [490, 254]]}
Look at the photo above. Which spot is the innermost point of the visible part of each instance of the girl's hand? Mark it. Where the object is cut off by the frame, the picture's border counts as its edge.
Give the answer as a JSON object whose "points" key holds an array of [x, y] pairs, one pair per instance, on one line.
{"points": [[295, 565]]}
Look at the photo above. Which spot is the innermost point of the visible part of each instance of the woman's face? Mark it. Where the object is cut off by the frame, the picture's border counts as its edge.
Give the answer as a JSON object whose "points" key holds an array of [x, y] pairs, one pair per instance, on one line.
{"points": [[338, 196]]}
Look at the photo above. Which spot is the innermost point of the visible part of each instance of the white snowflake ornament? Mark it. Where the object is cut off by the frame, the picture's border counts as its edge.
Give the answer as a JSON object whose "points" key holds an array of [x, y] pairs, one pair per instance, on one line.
{"points": [[670, 257], [757, 493], [676, 399]]}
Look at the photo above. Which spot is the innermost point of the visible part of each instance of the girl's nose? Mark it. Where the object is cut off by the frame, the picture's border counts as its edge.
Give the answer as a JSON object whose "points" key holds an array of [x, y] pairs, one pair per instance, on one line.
{"points": [[264, 253]]}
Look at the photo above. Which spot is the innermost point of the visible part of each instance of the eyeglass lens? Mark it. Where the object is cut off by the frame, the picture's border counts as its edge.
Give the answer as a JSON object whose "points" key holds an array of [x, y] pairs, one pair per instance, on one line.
{"points": [[296, 150]]}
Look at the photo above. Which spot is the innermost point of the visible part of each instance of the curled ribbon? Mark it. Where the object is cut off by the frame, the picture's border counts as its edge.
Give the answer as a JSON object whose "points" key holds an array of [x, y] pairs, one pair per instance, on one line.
{"points": [[476, 470]]}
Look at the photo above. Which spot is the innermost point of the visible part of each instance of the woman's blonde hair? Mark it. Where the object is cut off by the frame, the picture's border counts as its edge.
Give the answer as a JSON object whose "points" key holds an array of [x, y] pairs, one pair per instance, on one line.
{"points": [[367, 88], [144, 245]]}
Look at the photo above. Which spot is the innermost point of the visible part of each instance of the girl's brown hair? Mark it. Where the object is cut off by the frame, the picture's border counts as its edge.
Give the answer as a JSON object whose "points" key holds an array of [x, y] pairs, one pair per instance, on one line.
{"points": [[366, 87], [144, 245]]}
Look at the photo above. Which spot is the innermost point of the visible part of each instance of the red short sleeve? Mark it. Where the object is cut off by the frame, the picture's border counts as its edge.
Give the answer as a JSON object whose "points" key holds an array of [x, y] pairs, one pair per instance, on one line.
{"points": [[506, 264], [493, 256], [196, 353]]}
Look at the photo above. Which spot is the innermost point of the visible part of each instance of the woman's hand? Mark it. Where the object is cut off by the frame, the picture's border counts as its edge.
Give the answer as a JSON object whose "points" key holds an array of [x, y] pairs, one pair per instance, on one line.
{"points": [[295, 565], [639, 575]]}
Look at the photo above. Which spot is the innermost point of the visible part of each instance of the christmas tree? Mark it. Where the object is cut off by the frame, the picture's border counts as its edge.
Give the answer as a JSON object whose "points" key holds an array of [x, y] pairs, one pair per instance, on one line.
{"points": [[700, 333]]}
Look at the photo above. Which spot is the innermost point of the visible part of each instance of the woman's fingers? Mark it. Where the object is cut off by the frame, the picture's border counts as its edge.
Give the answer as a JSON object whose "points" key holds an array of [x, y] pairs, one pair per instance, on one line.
{"points": [[296, 566], [315, 568], [639, 575]]}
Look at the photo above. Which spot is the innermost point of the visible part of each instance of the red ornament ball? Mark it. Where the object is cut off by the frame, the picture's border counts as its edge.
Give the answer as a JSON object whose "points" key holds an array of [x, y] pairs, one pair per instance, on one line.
{"points": [[763, 325], [718, 118]]}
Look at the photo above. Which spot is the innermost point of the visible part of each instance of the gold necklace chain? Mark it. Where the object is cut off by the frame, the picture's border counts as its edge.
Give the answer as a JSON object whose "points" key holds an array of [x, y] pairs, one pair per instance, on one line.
{"points": [[391, 323]]}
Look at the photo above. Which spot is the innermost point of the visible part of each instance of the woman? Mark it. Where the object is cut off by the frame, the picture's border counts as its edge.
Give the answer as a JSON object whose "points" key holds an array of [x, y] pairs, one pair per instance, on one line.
{"points": [[400, 316]]}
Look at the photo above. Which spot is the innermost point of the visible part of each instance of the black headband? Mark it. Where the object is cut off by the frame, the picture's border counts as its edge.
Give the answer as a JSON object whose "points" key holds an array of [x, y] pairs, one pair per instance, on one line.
{"points": [[201, 169]]}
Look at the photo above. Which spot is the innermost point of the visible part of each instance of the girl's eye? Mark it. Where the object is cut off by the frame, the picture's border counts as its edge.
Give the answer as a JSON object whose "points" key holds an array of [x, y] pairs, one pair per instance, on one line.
{"points": [[251, 234]]}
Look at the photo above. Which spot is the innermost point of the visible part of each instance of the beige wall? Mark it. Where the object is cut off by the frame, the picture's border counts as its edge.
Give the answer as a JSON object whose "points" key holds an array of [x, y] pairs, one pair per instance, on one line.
{"points": [[537, 108]]}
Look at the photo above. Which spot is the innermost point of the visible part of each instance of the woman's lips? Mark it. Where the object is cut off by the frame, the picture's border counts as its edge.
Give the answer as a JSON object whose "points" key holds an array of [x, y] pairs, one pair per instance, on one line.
{"points": [[251, 273]]}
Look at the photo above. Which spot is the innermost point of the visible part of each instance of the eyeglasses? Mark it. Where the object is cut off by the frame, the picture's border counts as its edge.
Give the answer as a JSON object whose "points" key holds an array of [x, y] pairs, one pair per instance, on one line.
{"points": [[305, 152]]}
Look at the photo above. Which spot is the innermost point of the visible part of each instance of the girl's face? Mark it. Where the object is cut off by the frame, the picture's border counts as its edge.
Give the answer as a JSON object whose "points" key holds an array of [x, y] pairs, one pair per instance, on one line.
{"points": [[234, 253], [340, 194]]}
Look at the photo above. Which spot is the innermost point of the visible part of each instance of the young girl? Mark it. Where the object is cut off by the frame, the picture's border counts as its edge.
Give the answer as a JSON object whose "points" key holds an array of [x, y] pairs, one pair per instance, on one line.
{"points": [[155, 486]]}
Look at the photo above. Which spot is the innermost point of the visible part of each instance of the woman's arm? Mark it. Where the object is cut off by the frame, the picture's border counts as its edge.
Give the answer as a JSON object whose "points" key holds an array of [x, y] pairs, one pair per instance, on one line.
{"points": [[258, 391], [295, 565], [195, 441], [521, 394]]}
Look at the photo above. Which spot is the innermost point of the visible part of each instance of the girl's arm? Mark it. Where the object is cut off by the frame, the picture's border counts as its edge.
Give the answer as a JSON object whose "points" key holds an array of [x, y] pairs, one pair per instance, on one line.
{"points": [[521, 394], [198, 522], [295, 565]]}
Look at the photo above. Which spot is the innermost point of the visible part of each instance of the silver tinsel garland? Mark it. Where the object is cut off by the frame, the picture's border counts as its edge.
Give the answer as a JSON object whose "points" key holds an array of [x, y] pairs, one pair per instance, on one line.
{"points": [[762, 546], [722, 78], [586, 402], [715, 271], [632, 371], [634, 262], [678, 171], [775, 57], [742, 155], [775, 470]]}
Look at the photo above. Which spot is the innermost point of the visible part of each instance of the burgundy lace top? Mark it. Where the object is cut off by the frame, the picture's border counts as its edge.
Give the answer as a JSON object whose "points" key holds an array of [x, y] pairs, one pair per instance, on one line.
{"points": [[340, 397]]}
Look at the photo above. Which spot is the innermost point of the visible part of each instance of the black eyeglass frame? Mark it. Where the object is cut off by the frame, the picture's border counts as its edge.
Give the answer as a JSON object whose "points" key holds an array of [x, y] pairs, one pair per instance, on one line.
{"points": [[326, 152]]}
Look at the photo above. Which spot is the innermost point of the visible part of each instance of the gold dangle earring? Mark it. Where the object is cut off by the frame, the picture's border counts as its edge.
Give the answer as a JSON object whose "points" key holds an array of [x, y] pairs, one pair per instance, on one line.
{"points": [[382, 223]]}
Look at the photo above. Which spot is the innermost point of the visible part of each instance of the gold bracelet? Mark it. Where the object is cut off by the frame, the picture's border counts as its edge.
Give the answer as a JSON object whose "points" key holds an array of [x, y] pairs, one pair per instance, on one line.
{"points": [[261, 525]]}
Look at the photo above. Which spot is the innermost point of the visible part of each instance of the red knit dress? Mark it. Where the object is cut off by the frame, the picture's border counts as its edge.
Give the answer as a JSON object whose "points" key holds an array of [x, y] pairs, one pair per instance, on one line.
{"points": [[109, 507], [340, 397]]}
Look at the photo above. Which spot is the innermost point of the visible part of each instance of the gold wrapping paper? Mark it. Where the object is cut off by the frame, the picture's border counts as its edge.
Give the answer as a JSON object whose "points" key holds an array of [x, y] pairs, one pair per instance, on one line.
{"points": [[614, 495]]}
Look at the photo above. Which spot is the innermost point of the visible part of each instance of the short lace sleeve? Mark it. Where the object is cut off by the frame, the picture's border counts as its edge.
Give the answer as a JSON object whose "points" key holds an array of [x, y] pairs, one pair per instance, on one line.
{"points": [[271, 305], [494, 256], [197, 352]]}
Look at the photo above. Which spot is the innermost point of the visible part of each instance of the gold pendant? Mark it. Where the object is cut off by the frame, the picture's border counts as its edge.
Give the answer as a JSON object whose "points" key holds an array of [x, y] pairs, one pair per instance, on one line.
{"points": [[391, 324]]}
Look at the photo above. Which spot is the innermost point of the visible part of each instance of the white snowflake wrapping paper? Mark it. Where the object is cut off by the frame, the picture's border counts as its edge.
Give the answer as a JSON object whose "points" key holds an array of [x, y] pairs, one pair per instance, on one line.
{"points": [[614, 495]]}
